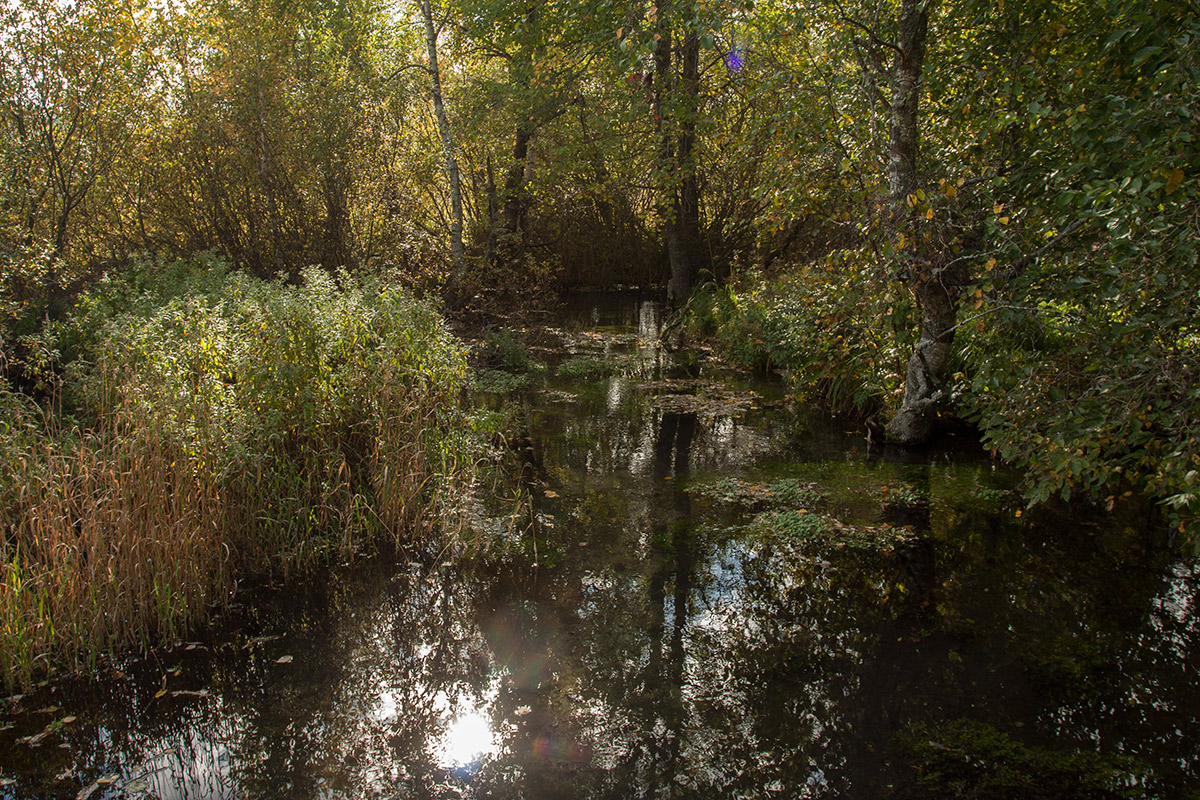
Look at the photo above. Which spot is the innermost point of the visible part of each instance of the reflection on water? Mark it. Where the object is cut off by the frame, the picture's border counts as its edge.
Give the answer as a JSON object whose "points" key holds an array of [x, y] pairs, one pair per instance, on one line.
{"points": [[722, 608], [468, 741]]}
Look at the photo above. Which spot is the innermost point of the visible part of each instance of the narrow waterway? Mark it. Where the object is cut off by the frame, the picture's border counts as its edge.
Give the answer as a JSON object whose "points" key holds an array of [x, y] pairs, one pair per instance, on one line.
{"points": [[715, 594]]}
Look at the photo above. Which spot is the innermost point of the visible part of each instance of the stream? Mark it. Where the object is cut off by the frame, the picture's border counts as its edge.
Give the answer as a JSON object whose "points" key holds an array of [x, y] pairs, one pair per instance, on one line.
{"points": [[714, 594]]}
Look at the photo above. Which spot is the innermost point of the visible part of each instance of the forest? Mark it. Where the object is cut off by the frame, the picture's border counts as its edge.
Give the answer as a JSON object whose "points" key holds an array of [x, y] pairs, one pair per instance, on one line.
{"points": [[277, 279], [237, 238]]}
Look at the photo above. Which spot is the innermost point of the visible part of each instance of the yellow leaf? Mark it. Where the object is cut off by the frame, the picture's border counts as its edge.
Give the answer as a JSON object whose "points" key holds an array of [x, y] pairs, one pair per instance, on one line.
{"points": [[1004, 220], [929, 213], [1174, 179], [997, 208]]}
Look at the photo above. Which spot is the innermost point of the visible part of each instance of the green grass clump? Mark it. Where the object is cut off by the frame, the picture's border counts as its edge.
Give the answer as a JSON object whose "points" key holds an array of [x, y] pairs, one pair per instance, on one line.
{"points": [[594, 367], [823, 530], [782, 492], [224, 423]]}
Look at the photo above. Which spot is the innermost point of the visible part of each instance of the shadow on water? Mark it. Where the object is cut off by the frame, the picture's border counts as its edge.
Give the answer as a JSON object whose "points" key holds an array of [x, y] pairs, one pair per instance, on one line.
{"points": [[727, 598]]}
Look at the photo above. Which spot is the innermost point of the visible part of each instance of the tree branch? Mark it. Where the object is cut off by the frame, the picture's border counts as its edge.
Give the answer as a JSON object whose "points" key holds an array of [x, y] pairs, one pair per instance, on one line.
{"points": [[1019, 266]]}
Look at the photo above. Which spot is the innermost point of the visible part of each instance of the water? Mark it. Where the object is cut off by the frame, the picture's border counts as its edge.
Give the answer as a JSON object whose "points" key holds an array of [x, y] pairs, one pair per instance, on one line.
{"points": [[716, 595]]}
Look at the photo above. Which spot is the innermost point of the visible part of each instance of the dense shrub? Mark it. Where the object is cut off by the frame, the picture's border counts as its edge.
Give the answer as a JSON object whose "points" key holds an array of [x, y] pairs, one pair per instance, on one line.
{"points": [[225, 423], [837, 329]]}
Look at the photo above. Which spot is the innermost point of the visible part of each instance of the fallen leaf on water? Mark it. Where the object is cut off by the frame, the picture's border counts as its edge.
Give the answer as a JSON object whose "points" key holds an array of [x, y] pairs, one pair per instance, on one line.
{"points": [[283, 660], [35, 739], [551, 493], [68, 720], [108, 780], [159, 693], [261, 639]]}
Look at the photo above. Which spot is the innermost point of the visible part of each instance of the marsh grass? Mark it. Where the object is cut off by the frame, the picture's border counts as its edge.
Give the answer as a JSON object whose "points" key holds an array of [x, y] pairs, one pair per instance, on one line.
{"points": [[225, 424]]}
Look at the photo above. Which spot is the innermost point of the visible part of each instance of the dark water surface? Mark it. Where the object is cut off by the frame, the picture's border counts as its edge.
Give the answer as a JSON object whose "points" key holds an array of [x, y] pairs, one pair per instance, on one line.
{"points": [[716, 596]]}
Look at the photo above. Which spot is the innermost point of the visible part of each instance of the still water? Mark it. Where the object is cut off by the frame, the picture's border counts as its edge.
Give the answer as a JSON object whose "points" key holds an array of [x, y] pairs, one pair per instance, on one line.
{"points": [[713, 594]]}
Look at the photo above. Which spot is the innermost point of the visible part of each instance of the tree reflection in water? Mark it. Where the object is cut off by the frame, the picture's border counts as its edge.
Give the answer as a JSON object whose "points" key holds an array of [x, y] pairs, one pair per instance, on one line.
{"points": [[662, 647]]}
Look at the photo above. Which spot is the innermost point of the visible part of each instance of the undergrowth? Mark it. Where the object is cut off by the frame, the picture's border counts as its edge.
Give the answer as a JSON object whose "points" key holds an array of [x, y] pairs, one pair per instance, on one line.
{"points": [[217, 423], [837, 331]]}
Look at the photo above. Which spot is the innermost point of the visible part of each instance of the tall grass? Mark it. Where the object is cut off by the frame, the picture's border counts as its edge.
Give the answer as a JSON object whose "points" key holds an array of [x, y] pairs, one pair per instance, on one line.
{"points": [[227, 424]]}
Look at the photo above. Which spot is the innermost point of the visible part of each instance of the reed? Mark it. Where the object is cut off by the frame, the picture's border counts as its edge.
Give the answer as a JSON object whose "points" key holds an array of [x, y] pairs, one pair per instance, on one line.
{"points": [[249, 426]]}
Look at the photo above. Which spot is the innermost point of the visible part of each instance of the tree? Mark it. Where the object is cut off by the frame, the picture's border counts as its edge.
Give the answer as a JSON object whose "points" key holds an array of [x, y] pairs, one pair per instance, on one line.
{"points": [[934, 287], [76, 81], [449, 147]]}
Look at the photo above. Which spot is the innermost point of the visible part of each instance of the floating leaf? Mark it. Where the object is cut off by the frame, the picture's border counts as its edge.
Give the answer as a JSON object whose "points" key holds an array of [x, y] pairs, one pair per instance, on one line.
{"points": [[283, 660]]}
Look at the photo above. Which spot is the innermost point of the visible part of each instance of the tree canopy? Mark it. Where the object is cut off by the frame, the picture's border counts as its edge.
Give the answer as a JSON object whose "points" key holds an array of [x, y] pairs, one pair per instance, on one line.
{"points": [[994, 204]]}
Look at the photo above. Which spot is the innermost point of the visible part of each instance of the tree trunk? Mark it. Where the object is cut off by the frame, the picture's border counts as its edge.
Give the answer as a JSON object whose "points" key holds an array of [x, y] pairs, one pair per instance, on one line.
{"points": [[514, 183], [336, 246], [675, 110], [683, 270], [267, 179], [449, 149], [929, 363], [507, 227], [668, 208]]}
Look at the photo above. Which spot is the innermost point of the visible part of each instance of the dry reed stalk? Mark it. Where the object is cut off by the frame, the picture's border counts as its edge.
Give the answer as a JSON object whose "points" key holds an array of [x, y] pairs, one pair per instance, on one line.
{"points": [[120, 540]]}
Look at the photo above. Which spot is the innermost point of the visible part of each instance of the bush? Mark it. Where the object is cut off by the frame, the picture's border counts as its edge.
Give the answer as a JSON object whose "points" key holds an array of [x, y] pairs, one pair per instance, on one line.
{"points": [[229, 423], [838, 330]]}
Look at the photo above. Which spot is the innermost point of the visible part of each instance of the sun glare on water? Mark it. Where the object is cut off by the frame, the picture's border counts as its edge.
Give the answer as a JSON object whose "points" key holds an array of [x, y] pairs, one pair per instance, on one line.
{"points": [[467, 742]]}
